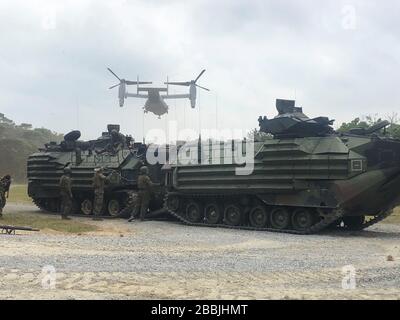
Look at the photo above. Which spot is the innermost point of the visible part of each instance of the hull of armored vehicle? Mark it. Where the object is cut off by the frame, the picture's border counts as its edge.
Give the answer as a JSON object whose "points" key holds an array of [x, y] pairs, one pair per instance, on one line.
{"points": [[298, 184], [121, 166]]}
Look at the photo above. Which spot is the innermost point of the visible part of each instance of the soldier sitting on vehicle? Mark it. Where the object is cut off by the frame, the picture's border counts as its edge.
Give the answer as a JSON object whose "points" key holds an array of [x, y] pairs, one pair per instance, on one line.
{"points": [[117, 142]]}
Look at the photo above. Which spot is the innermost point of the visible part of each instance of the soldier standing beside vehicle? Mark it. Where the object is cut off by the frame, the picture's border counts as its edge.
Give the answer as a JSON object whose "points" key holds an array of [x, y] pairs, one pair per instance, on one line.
{"points": [[143, 199], [2, 198], [5, 184], [99, 180], [66, 193]]}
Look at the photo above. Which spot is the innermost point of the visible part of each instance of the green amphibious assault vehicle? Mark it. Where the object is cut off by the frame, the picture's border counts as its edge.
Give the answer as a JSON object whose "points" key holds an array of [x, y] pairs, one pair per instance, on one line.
{"points": [[117, 154], [306, 178]]}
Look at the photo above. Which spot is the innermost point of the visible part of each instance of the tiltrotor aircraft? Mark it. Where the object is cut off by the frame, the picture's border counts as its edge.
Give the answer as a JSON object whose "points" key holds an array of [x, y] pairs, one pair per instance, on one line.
{"points": [[155, 101]]}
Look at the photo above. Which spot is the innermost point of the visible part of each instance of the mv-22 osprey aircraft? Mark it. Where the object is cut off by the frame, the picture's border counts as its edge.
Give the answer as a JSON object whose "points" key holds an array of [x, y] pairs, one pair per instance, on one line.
{"points": [[155, 101]]}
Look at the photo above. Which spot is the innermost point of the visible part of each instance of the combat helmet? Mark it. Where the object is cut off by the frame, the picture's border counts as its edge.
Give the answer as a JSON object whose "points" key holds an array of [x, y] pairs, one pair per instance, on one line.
{"points": [[144, 170]]}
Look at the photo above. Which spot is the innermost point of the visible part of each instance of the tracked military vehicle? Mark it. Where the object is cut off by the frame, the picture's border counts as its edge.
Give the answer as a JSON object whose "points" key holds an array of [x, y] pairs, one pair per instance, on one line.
{"points": [[306, 177], [117, 154]]}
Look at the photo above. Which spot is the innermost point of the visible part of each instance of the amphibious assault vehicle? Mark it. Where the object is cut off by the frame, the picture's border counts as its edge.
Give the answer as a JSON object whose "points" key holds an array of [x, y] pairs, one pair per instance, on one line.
{"points": [[120, 157], [306, 177]]}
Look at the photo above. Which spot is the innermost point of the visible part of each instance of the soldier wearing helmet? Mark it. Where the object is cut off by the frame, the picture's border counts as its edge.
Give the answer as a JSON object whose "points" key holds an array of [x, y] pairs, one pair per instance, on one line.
{"points": [[66, 193], [144, 194], [5, 184], [118, 140]]}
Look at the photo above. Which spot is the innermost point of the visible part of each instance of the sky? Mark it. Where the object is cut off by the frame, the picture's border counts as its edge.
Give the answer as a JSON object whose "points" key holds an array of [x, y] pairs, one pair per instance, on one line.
{"points": [[339, 59]]}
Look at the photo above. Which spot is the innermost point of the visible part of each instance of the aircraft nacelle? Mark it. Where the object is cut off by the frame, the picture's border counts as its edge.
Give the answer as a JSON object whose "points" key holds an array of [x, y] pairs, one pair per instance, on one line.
{"points": [[192, 95], [122, 93]]}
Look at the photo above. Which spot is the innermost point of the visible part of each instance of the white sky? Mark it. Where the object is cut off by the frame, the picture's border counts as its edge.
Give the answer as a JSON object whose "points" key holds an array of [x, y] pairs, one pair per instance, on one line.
{"points": [[337, 58]]}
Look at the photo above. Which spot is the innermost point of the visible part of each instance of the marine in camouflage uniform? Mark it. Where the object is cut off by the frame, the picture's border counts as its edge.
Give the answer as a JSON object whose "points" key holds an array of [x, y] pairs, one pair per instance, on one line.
{"points": [[99, 180], [129, 210], [5, 184], [66, 193], [143, 198], [118, 140], [2, 198]]}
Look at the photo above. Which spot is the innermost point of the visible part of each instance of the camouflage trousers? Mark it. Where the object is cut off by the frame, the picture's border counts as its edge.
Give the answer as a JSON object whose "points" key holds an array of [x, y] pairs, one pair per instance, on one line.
{"points": [[142, 203], [2, 201], [129, 210], [98, 202], [66, 204]]}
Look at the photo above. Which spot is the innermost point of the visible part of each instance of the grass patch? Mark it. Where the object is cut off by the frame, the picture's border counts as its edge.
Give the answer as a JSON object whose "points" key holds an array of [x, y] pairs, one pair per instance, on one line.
{"points": [[46, 222], [19, 194], [394, 217]]}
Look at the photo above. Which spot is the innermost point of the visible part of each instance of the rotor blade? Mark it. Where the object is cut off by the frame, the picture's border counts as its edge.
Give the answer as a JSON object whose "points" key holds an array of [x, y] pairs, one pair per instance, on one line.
{"points": [[186, 83], [202, 87], [114, 86], [128, 82], [201, 73], [114, 74]]}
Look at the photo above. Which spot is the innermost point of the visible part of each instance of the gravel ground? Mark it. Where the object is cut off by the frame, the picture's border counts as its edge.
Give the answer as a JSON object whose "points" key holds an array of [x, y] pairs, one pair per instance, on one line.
{"points": [[167, 260]]}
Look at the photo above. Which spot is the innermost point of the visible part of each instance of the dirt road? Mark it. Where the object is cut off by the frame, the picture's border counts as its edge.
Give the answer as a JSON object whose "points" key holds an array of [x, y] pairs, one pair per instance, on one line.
{"points": [[167, 260]]}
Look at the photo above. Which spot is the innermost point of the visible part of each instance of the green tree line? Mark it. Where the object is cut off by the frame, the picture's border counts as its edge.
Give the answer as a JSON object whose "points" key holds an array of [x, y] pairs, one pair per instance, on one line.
{"points": [[17, 142]]}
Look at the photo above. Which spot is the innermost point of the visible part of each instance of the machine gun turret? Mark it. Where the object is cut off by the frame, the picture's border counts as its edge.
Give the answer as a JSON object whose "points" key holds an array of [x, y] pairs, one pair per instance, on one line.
{"points": [[291, 122], [372, 129]]}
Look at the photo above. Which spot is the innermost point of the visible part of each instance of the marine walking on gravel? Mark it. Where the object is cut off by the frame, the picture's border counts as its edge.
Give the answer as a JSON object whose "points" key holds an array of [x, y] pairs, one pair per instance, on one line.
{"points": [[66, 193]]}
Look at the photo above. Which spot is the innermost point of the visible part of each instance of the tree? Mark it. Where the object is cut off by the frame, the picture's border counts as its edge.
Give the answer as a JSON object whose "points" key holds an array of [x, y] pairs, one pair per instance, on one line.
{"points": [[4, 119], [25, 126], [17, 143]]}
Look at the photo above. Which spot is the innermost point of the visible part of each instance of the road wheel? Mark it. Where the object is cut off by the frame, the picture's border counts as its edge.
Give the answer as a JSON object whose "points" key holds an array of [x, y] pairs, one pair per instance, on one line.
{"points": [[113, 207], [258, 217], [233, 215], [193, 212], [173, 203], [354, 222], [212, 213], [87, 207], [302, 219], [280, 218]]}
